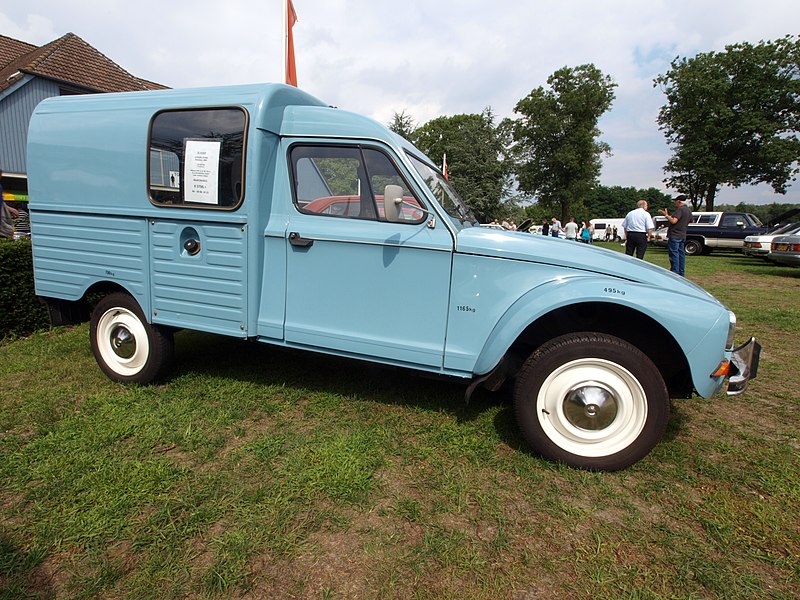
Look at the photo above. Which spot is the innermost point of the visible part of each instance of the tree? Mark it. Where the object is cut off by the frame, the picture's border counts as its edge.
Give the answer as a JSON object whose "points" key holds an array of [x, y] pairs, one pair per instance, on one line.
{"points": [[616, 201], [732, 118], [402, 124], [478, 168], [768, 213], [556, 147]]}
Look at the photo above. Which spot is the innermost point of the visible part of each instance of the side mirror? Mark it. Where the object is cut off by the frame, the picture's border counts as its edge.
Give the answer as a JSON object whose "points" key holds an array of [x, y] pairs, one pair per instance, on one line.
{"points": [[392, 200]]}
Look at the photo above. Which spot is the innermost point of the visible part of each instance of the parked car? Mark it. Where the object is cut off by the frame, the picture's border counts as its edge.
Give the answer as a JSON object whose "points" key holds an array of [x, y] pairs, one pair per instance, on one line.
{"points": [[492, 226], [786, 250], [760, 245], [709, 230]]}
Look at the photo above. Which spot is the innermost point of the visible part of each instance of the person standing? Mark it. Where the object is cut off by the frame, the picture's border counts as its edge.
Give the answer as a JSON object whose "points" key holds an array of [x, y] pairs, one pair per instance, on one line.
{"points": [[7, 215], [676, 234], [555, 228], [639, 227], [586, 233], [571, 230], [545, 227]]}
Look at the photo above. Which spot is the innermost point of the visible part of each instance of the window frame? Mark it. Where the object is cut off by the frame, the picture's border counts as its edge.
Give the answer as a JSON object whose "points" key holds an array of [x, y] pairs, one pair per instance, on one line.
{"points": [[361, 147], [182, 204]]}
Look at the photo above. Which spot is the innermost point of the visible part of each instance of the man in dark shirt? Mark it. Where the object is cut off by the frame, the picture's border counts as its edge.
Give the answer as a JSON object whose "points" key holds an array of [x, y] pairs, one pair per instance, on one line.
{"points": [[676, 233]]}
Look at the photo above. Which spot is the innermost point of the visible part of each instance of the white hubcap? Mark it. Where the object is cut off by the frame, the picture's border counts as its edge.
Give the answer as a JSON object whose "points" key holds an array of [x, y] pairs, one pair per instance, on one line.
{"points": [[122, 341], [592, 407]]}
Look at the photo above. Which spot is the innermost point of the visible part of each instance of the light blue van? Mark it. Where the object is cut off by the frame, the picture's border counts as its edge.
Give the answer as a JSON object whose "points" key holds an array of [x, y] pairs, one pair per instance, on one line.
{"points": [[261, 213]]}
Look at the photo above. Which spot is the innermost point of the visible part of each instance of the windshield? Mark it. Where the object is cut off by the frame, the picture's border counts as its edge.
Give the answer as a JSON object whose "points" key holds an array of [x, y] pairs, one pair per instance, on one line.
{"points": [[460, 214]]}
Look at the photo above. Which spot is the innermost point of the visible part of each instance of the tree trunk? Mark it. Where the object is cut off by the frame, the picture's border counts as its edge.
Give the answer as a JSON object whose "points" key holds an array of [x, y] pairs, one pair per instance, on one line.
{"points": [[711, 193]]}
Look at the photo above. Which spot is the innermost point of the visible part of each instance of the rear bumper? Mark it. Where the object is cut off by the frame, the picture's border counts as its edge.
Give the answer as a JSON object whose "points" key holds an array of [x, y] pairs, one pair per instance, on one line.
{"points": [[744, 362]]}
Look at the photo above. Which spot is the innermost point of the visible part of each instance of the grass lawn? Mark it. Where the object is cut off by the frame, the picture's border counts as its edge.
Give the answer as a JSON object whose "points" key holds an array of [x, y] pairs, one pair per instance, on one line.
{"points": [[255, 472]]}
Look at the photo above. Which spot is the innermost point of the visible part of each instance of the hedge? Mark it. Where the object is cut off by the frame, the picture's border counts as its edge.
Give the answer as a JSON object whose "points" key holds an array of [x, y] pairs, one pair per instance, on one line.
{"points": [[21, 312]]}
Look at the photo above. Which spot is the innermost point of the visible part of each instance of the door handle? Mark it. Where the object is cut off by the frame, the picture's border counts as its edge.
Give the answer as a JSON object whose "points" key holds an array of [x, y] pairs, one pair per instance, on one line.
{"points": [[295, 239]]}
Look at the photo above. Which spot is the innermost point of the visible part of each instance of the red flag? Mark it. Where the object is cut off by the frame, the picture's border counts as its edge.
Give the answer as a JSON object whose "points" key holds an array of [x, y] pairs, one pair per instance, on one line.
{"points": [[291, 68], [445, 170]]}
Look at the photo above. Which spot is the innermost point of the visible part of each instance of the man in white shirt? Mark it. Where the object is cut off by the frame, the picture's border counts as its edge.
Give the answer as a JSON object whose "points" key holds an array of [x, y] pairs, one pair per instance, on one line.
{"points": [[571, 230], [639, 227]]}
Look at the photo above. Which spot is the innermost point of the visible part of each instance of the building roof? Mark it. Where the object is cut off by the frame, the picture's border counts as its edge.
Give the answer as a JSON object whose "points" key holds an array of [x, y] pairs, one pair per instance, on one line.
{"points": [[11, 49], [69, 59]]}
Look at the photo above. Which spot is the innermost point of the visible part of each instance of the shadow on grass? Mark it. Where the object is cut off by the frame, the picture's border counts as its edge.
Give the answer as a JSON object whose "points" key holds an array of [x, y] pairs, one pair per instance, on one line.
{"points": [[750, 264], [21, 573], [254, 362]]}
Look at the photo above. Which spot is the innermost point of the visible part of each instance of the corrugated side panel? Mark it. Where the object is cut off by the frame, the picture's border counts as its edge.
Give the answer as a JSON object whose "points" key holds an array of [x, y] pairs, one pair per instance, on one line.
{"points": [[207, 291], [71, 252], [16, 109]]}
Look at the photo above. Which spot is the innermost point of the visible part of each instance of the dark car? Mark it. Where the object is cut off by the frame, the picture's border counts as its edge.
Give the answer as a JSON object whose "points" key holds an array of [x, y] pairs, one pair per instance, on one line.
{"points": [[709, 230]]}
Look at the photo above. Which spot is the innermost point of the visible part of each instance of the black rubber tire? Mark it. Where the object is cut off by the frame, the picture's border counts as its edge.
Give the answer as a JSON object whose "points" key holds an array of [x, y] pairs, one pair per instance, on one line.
{"points": [[591, 362], [693, 247], [127, 348]]}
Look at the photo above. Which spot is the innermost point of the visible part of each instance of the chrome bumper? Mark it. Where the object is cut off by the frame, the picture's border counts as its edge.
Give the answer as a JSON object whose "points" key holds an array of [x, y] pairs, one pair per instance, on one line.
{"points": [[744, 361]]}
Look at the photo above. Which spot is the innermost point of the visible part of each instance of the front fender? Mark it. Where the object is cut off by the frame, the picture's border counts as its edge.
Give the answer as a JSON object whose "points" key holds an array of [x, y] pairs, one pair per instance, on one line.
{"points": [[698, 325]]}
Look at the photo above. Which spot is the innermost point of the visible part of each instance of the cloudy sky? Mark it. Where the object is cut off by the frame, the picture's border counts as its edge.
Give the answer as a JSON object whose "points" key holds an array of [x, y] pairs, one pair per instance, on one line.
{"points": [[427, 57]]}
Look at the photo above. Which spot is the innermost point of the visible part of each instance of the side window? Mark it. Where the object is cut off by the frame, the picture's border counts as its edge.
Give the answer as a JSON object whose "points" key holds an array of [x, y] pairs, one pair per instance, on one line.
{"points": [[347, 181], [382, 172], [706, 219], [732, 220], [196, 157]]}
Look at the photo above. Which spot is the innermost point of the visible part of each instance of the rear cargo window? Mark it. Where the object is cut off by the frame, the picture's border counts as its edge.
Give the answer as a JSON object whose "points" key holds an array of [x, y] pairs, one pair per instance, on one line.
{"points": [[197, 158]]}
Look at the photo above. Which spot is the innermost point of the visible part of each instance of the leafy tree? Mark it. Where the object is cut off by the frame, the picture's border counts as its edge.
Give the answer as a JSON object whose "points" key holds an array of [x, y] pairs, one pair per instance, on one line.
{"points": [[616, 201], [733, 118], [477, 165], [402, 124], [556, 146]]}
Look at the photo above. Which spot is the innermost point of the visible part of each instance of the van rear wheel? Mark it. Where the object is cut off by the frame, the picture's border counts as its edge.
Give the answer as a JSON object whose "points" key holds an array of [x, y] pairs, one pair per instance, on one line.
{"points": [[127, 348], [591, 401]]}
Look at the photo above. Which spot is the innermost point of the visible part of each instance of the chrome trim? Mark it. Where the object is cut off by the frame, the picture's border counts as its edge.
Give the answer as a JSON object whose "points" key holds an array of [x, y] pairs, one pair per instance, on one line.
{"points": [[731, 330], [745, 360]]}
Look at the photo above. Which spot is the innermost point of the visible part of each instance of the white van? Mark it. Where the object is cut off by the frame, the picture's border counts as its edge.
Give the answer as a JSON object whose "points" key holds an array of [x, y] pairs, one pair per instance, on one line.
{"points": [[603, 229]]}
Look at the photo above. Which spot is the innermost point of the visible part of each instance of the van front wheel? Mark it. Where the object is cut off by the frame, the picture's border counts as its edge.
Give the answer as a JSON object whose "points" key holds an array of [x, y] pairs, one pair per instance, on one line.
{"points": [[591, 401], [128, 348]]}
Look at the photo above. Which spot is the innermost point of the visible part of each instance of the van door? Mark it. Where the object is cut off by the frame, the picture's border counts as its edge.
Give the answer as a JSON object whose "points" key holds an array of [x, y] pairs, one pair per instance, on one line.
{"points": [[357, 284], [198, 241], [199, 275]]}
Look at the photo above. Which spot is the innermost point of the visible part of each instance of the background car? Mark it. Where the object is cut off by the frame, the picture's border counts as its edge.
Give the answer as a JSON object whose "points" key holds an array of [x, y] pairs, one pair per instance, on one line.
{"points": [[760, 245], [786, 250], [492, 226]]}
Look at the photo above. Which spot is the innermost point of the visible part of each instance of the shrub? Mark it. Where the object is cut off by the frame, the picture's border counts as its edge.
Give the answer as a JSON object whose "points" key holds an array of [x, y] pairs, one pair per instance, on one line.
{"points": [[21, 312]]}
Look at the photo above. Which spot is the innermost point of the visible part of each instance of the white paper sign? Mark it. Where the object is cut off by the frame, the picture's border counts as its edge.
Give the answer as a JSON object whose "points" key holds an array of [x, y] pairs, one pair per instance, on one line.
{"points": [[201, 171]]}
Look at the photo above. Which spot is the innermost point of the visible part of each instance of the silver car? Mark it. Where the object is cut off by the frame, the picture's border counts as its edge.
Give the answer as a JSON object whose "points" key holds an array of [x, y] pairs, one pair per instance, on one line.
{"points": [[786, 250], [760, 245]]}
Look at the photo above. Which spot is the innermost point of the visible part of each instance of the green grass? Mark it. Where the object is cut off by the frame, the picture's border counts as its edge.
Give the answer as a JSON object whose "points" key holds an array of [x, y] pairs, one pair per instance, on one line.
{"points": [[258, 472]]}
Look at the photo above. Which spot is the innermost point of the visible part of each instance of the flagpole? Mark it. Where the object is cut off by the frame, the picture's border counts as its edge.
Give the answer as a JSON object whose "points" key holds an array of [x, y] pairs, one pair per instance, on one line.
{"points": [[285, 41], [289, 64]]}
